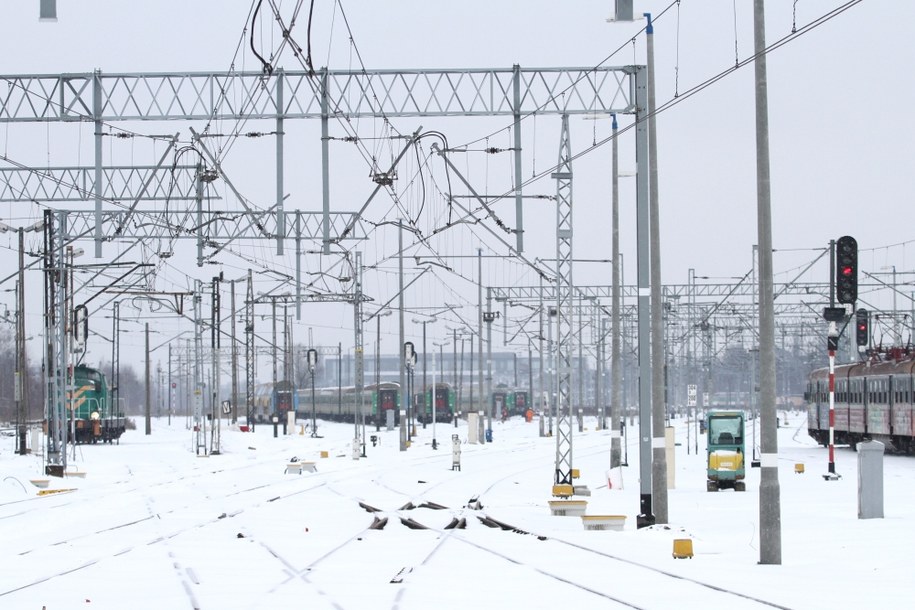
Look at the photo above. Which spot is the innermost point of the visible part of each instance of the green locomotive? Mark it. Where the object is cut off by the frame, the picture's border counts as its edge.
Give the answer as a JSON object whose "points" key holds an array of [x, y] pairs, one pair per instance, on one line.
{"points": [[93, 416]]}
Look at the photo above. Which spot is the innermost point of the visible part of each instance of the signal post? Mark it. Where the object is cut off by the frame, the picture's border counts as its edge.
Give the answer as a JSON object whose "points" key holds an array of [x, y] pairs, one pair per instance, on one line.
{"points": [[844, 288]]}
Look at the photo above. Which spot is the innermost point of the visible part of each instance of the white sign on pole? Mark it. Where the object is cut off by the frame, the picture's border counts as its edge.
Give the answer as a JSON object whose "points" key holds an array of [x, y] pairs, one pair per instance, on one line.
{"points": [[691, 391]]}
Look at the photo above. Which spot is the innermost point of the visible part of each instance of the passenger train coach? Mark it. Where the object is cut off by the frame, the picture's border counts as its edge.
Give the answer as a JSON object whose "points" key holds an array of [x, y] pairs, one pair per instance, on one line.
{"points": [[873, 401], [343, 404]]}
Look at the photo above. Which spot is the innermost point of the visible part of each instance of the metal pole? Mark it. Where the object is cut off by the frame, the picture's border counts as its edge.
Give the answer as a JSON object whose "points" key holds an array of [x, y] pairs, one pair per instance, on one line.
{"points": [[540, 349], [22, 367], [325, 162], [148, 400], [216, 343], [402, 365], [432, 400], [659, 454], [378, 372], [460, 397], [580, 369], [426, 387], [770, 547], [488, 316], [339, 378], [896, 331], [314, 410], [249, 354], [599, 374], [377, 351], [188, 397], [411, 379], [457, 381], [169, 386], [274, 346], [833, 337], [234, 360], [645, 517], [280, 134], [480, 329], [530, 376], [516, 132], [616, 370], [359, 377], [693, 375], [551, 363]]}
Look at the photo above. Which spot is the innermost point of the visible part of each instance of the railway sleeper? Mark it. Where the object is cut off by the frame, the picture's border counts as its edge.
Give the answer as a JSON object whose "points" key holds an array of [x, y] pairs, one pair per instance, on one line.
{"points": [[378, 523], [433, 506], [457, 524], [413, 524]]}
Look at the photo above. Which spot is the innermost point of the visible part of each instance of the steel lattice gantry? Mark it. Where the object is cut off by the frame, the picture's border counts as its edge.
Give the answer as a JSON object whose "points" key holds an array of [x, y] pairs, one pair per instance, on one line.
{"points": [[692, 311], [531, 294], [564, 308], [720, 299], [325, 95], [119, 183]]}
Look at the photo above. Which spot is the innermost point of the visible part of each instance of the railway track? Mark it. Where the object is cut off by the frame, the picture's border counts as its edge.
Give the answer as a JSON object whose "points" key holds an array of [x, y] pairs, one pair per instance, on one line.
{"points": [[430, 537]]}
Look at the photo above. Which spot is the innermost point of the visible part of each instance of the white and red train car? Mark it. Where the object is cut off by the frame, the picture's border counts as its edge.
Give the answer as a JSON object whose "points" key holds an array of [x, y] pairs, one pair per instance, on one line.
{"points": [[873, 401]]}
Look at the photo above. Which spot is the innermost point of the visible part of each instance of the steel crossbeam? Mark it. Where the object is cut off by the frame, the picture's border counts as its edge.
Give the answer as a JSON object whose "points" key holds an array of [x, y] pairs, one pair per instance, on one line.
{"points": [[178, 224], [530, 294], [325, 95], [119, 183], [372, 93]]}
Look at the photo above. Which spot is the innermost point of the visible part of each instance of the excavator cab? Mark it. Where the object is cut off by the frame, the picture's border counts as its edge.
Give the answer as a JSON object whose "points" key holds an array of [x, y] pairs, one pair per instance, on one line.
{"points": [[726, 450]]}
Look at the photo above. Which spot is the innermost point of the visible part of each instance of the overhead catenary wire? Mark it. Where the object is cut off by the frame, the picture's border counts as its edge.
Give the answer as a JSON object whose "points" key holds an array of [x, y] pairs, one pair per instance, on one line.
{"points": [[422, 178], [698, 88]]}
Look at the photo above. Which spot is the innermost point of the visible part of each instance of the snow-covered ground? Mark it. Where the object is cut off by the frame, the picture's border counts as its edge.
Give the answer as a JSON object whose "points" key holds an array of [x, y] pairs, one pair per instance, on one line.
{"points": [[154, 525]]}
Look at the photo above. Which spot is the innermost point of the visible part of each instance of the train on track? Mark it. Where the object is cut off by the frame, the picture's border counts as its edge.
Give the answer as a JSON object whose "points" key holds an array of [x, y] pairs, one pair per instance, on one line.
{"points": [[874, 400], [342, 404], [93, 416], [510, 402]]}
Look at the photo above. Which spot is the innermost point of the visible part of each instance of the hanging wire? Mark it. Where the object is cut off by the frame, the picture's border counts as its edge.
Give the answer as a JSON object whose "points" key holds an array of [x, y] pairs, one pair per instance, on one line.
{"points": [[534, 146], [708, 82], [677, 64], [736, 53], [308, 63], [330, 38], [266, 66], [48, 144], [486, 172], [794, 17]]}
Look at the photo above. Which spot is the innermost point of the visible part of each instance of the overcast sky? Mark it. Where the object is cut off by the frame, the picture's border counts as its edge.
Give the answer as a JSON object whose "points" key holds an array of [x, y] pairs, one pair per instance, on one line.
{"points": [[841, 140]]}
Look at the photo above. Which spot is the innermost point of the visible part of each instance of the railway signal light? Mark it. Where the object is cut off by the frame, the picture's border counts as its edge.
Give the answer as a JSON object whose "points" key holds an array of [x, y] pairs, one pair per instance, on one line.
{"points": [[847, 270], [408, 353], [861, 327]]}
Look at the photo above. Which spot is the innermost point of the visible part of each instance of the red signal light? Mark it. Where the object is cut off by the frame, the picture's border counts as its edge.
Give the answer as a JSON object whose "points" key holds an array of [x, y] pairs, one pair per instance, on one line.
{"points": [[861, 330], [846, 270]]}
